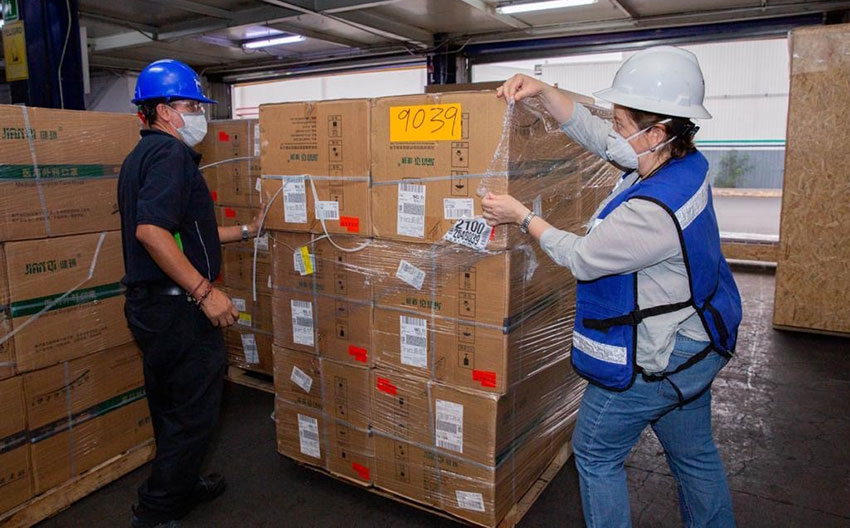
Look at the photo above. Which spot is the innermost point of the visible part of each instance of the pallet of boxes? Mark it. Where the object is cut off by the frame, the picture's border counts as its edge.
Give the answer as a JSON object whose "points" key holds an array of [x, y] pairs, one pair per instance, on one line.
{"points": [[418, 352], [230, 165], [71, 386]]}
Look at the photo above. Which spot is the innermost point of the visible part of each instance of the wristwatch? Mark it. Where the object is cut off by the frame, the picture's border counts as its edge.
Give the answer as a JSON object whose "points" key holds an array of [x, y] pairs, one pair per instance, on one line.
{"points": [[245, 235], [525, 223]]}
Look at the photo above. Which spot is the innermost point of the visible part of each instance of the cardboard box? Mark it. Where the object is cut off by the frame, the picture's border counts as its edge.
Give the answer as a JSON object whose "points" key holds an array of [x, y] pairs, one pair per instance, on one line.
{"points": [[249, 349], [7, 353], [78, 156], [333, 327], [472, 424], [236, 142], [89, 319], [471, 491], [442, 179], [459, 282], [329, 141], [476, 355], [104, 395], [339, 390], [253, 315], [311, 437], [237, 269], [15, 466], [334, 272]]}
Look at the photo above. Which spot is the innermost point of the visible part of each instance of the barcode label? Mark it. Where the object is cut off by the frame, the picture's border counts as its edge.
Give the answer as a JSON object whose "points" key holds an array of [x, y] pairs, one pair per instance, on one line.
{"points": [[300, 378], [256, 140], [410, 274], [249, 349], [294, 201], [474, 233], [308, 435], [239, 304], [411, 210], [454, 208], [245, 319], [327, 210], [302, 322], [300, 264], [413, 333], [470, 501], [448, 426]]}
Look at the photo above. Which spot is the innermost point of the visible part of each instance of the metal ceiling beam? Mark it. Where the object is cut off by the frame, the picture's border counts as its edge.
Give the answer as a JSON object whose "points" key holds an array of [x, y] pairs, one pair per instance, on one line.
{"points": [[319, 35], [659, 21], [118, 22], [246, 17], [387, 26], [341, 6], [484, 7], [368, 22], [626, 9], [195, 7]]}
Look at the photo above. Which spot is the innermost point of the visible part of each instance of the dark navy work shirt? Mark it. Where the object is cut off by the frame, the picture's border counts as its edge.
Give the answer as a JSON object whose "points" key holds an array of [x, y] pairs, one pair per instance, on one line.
{"points": [[160, 185]]}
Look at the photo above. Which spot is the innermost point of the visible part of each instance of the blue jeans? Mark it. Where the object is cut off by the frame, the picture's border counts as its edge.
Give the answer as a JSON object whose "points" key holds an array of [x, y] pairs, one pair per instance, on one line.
{"points": [[610, 423]]}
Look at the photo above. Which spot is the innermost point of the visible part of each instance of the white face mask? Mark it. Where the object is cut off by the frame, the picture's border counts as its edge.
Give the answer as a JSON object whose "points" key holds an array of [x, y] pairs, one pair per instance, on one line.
{"points": [[621, 153], [194, 128]]}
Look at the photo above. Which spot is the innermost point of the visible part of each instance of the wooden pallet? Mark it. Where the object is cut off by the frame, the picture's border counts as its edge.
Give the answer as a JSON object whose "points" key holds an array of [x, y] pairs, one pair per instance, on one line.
{"points": [[511, 519], [64, 495], [249, 378]]}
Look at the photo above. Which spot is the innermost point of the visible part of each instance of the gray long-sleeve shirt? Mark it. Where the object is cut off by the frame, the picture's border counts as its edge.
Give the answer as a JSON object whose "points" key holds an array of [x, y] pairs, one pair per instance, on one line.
{"points": [[638, 236]]}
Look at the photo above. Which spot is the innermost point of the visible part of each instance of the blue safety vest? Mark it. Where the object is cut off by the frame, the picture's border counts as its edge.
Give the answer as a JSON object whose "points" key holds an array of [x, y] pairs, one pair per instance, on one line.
{"points": [[607, 311]]}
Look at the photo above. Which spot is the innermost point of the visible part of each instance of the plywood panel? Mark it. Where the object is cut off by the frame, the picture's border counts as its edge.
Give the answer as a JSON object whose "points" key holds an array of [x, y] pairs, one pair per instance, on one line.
{"points": [[813, 268]]}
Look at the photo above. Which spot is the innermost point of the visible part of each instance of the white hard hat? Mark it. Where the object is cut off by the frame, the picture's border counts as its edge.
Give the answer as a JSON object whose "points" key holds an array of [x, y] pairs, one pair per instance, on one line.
{"points": [[662, 80]]}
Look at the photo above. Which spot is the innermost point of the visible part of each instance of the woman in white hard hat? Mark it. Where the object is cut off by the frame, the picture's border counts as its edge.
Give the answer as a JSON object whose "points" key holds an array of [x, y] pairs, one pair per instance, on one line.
{"points": [[657, 309]]}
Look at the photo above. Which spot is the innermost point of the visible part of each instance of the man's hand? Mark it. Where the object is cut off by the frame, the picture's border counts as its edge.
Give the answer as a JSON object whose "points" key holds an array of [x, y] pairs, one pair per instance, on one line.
{"points": [[219, 309], [254, 226], [503, 209]]}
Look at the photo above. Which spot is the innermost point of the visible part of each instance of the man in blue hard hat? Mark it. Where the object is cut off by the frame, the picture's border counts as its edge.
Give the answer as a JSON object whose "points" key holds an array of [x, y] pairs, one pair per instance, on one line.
{"points": [[172, 256]]}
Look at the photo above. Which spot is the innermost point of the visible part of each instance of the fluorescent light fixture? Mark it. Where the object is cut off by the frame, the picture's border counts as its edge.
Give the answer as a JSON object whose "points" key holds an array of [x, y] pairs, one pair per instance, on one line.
{"points": [[509, 9], [275, 41]]}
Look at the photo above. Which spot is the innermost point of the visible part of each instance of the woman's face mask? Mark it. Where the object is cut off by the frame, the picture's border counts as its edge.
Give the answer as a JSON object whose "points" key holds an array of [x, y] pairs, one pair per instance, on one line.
{"points": [[621, 153]]}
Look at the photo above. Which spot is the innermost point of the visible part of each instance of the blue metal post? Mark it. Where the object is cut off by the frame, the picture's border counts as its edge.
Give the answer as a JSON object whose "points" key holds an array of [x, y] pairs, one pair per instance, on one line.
{"points": [[46, 24]]}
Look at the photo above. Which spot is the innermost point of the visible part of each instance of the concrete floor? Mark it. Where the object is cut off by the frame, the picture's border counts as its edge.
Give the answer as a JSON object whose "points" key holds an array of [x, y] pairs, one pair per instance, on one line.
{"points": [[781, 417]]}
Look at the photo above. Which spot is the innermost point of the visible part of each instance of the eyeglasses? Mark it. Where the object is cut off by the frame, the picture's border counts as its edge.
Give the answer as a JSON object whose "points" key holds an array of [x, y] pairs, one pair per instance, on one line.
{"points": [[192, 107]]}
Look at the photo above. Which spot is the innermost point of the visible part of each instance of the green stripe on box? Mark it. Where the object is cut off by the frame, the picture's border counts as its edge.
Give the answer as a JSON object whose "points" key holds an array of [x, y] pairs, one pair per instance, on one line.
{"points": [[75, 298], [45, 172], [52, 429]]}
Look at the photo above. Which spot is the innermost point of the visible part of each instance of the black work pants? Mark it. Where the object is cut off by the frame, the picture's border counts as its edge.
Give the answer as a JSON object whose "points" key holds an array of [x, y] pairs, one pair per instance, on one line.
{"points": [[184, 363]]}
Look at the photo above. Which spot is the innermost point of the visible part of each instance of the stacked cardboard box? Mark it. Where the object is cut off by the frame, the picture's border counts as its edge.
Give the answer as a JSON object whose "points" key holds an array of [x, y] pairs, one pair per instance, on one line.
{"points": [[231, 166], [470, 392], [73, 394]]}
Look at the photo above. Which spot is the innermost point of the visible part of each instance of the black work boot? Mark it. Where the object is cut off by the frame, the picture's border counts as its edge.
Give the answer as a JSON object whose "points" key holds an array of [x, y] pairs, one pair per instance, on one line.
{"points": [[209, 487], [144, 519]]}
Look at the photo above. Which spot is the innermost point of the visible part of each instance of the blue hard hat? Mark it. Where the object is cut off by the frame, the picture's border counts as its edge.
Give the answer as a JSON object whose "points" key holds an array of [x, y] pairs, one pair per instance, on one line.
{"points": [[169, 79]]}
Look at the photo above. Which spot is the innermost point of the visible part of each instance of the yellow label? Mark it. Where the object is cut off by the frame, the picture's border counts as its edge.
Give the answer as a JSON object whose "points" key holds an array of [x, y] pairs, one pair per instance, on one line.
{"points": [[438, 122], [308, 262], [245, 319], [15, 51]]}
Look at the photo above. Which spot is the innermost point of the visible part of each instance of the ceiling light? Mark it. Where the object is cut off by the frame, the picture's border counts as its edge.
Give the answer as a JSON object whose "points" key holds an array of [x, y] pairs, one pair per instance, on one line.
{"points": [[509, 9], [276, 41]]}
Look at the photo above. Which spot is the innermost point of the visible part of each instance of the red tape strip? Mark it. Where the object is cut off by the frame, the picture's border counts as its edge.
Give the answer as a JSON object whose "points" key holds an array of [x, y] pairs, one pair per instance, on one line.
{"points": [[223, 136], [359, 354], [385, 385], [361, 470], [487, 378]]}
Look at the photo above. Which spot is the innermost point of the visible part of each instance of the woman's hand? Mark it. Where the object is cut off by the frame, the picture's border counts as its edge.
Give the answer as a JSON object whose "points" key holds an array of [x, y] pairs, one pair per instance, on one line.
{"points": [[519, 87], [254, 226], [503, 209]]}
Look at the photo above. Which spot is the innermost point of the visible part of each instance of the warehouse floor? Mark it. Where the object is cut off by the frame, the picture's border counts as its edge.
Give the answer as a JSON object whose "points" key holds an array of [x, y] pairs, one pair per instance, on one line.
{"points": [[781, 417]]}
